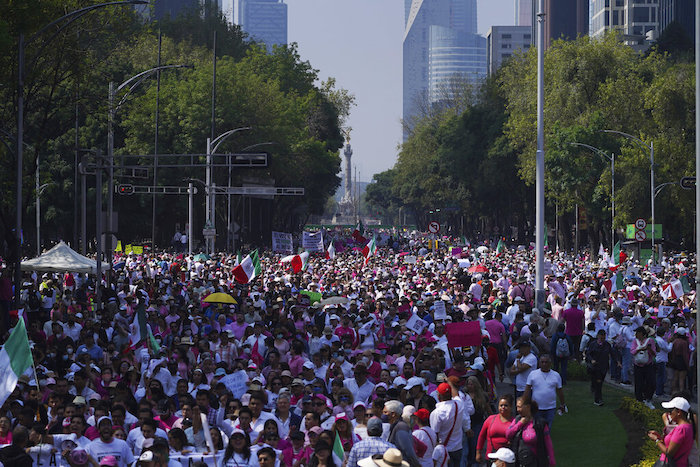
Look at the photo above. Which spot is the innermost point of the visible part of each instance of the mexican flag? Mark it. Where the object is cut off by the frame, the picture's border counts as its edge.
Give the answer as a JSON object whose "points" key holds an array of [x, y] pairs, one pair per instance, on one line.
{"points": [[618, 257], [298, 262], [15, 359], [239, 258], [615, 283], [500, 248], [338, 451], [330, 252], [249, 268], [370, 250], [358, 233], [139, 327]]}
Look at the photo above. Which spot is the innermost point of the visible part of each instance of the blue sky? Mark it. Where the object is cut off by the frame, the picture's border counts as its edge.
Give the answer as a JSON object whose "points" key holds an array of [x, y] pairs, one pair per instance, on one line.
{"points": [[358, 42]]}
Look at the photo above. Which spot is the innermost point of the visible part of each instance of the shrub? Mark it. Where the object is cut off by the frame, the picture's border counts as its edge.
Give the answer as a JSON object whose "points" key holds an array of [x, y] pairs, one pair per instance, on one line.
{"points": [[650, 420]]}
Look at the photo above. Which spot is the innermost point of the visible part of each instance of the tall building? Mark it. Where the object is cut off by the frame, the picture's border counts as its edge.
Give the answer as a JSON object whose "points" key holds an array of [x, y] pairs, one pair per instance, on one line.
{"points": [[440, 46], [503, 41], [264, 20], [636, 20], [680, 11], [523, 12], [564, 19]]}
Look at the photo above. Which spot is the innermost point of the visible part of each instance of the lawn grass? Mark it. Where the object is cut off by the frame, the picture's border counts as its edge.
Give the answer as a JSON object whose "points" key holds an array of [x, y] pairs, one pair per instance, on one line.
{"points": [[589, 435]]}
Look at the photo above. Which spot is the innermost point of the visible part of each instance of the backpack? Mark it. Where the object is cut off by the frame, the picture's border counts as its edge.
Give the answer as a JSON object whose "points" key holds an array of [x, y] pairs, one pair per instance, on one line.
{"points": [[562, 349]]}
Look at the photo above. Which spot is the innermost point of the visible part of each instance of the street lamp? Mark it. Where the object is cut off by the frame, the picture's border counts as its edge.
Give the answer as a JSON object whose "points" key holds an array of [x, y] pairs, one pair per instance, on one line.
{"points": [[69, 18], [612, 192], [130, 84], [212, 146], [539, 164], [651, 158]]}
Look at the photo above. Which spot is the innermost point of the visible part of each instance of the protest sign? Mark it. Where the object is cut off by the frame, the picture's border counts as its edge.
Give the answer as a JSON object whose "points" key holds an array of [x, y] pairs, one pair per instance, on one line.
{"points": [[410, 259], [440, 311], [455, 251], [236, 383], [464, 263], [313, 296], [463, 334], [45, 455], [312, 241], [188, 460], [664, 311], [282, 242], [416, 324]]}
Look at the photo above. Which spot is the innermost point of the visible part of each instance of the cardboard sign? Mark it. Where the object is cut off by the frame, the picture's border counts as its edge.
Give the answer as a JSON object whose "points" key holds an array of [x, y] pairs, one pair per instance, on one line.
{"points": [[463, 334], [416, 324], [236, 383]]}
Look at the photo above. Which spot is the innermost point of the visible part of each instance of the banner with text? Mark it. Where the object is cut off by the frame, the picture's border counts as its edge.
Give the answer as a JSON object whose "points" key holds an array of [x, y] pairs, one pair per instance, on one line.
{"points": [[282, 242], [312, 242]]}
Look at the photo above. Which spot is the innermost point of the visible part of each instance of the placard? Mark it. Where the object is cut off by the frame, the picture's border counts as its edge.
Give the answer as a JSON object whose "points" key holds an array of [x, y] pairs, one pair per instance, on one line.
{"points": [[664, 311], [463, 334], [416, 324], [312, 241], [440, 311], [236, 383], [282, 242]]}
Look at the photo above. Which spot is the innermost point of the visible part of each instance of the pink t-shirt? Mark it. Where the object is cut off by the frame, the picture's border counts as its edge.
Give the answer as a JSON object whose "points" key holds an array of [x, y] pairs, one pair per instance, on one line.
{"points": [[683, 436], [574, 321], [495, 329]]}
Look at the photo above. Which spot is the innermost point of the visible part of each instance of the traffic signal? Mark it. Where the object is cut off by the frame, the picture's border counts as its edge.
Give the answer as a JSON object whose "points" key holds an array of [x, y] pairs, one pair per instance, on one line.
{"points": [[125, 189], [688, 183]]}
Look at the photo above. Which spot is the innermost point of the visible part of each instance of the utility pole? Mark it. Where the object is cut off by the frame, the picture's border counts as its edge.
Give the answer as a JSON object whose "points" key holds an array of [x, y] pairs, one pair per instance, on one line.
{"points": [[539, 178]]}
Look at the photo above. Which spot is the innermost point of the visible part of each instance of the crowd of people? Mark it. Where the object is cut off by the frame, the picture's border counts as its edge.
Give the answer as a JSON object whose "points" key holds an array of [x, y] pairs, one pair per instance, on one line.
{"points": [[348, 361]]}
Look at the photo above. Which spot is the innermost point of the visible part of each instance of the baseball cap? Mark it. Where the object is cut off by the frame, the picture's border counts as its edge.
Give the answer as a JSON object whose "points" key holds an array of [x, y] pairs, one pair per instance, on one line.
{"points": [[422, 414], [413, 382], [444, 388], [679, 403], [503, 454]]}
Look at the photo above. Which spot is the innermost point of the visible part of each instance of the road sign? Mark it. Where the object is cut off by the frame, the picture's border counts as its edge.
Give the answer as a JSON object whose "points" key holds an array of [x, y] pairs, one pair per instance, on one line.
{"points": [[640, 235], [434, 227], [688, 183], [209, 233], [630, 229], [259, 190], [640, 224]]}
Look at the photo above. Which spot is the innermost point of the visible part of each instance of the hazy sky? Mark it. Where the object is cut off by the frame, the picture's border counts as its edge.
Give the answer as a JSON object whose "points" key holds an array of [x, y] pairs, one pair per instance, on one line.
{"points": [[359, 42]]}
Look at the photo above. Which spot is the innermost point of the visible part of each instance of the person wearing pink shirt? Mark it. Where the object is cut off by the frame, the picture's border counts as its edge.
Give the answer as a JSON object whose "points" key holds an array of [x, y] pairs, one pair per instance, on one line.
{"points": [[574, 318]]}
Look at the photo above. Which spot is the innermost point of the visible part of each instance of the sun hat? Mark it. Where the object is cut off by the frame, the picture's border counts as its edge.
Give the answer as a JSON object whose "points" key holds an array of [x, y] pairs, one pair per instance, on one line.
{"points": [[391, 458], [503, 454], [679, 403]]}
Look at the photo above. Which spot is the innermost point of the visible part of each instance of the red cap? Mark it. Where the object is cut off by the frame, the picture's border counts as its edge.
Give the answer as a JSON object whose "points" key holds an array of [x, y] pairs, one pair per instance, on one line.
{"points": [[444, 388], [422, 414]]}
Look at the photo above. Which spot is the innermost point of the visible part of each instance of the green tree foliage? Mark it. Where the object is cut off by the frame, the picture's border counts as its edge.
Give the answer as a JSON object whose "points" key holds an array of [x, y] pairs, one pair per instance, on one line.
{"points": [[275, 93]]}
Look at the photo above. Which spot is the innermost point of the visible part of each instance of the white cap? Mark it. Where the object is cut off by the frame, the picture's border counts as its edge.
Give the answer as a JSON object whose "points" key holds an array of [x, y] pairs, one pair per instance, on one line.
{"points": [[308, 364], [503, 454], [413, 381], [677, 403]]}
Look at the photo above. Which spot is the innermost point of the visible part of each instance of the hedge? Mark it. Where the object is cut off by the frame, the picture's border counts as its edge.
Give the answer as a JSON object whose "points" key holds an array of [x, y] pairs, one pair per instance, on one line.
{"points": [[650, 420]]}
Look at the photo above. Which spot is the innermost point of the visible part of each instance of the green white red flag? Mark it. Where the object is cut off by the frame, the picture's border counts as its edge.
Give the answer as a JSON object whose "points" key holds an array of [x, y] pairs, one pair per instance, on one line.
{"points": [[370, 250], [249, 269]]}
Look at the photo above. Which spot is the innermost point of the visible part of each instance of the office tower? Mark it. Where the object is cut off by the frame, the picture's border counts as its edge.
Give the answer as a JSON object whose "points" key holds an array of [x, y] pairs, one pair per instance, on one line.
{"points": [[564, 19], [503, 41], [264, 20], [523, 12], [634, 19], [440, 46], [680, 11]]}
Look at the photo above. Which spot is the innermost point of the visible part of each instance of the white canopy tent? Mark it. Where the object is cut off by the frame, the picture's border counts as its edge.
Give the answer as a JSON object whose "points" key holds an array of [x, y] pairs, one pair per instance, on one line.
{"points": [[62, 258]]}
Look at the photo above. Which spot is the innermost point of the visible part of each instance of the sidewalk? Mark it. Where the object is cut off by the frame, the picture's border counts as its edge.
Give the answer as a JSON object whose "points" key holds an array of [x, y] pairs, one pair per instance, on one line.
{"points": [[657, 400]]}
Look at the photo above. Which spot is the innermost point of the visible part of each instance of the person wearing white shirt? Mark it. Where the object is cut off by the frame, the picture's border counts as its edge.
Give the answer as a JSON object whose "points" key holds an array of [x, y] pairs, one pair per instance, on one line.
{"points": [[108, 445], [359, 386], [448, 420], [425, 434], [137, 436], [524, 363], [662, 349], [543, 386]]}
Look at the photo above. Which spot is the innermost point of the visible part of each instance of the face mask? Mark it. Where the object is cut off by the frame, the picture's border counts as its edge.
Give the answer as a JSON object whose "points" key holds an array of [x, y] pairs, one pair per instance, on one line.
{"points": [[52, 355], [69, 351], [393, 373], [385, 418]]}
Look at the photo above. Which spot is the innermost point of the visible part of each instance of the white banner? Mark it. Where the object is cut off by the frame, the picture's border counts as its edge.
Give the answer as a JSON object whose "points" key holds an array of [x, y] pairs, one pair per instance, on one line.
{"points": [[191, 459], [45, 455], [312, 241], [416, 324], [282, 242], [236, 383]]}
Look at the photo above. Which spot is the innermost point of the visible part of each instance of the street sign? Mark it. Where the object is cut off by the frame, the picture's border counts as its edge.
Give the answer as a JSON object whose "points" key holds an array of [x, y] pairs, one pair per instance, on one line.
{"points": [[640, 224], [688, 183], [209, 233], [259, 190], [434, 227], [640, 235], [160, 190], [630, 230]]}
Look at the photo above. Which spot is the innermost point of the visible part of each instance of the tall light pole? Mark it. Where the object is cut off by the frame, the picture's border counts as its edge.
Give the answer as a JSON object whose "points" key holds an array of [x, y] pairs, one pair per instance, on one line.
{"points": [[539, 177], [650, 147], [212, 146], [68, 18], [130, 84], [612, 189], [697, 167]]}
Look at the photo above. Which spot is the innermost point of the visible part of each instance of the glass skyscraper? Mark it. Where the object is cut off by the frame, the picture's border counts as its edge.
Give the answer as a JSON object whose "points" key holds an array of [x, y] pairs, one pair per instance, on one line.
{"points": [[264, 20], [440, 45]]}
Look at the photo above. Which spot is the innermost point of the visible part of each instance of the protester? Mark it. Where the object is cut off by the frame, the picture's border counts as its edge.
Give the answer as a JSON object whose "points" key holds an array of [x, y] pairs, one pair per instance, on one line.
{"points": [[597, 361], [530, 438], [643, 350], [492, 436], [676, 445]]}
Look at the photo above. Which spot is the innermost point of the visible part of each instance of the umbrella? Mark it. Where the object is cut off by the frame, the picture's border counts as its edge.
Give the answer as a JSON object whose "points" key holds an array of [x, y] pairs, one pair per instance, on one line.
{"points": [[202, 257], [220, 298], [478, 268], [334, 301], [482, 249]]}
